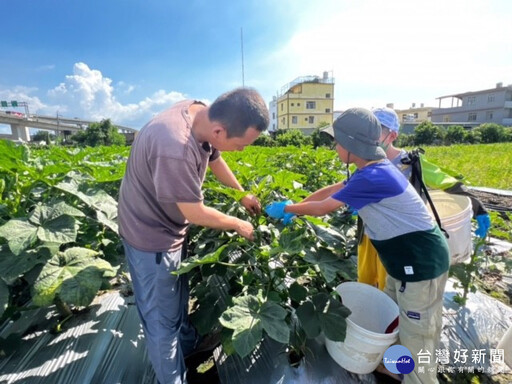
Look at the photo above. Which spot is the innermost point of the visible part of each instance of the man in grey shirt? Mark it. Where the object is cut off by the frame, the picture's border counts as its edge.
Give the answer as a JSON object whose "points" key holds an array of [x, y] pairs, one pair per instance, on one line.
{"points": [[161, 195]]}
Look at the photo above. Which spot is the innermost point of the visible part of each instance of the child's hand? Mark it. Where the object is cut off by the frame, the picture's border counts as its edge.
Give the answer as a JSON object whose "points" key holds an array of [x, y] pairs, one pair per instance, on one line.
{"points": [[276, 210], [484, 223]]}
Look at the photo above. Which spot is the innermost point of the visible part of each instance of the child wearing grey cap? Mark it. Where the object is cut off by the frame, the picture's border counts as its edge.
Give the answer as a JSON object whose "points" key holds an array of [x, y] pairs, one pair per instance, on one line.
{"points": [[410, 244]]}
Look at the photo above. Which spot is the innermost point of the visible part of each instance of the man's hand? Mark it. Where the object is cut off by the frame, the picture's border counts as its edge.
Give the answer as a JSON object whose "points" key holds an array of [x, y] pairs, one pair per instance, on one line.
{"points": [[252, 204], [245, 229]]}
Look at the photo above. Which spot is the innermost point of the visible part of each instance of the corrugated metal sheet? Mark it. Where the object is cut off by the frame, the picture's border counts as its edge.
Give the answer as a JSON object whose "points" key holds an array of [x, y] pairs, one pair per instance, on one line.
{"points": [[103, 345]]}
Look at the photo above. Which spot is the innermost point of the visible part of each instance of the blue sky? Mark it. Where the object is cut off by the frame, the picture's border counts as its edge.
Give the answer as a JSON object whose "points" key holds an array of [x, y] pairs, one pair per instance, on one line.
{"points": [[127, 60]]}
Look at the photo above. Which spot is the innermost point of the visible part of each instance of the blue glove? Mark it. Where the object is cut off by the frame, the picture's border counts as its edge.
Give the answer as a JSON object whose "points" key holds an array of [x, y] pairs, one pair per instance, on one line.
{"points": [[484, 223], [352, 210], [276, 211], [288, 217]]}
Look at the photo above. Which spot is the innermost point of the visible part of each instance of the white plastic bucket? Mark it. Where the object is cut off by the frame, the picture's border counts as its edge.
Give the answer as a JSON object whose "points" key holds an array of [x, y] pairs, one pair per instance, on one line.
{"points": [[365, 343], [455, 212]]}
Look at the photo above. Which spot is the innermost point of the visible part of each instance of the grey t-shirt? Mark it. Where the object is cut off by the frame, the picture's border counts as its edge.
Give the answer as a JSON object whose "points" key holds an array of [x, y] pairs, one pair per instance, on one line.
{"points": [[166, 166]]}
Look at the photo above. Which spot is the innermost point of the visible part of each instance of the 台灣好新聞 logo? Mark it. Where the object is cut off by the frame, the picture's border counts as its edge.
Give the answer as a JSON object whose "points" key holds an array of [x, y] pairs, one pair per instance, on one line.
{"points": [[398, 359]]}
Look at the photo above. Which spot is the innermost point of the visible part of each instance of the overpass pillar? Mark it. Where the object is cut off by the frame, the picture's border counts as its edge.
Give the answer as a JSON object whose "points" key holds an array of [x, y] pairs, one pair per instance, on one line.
{"points": [[20, 132]]}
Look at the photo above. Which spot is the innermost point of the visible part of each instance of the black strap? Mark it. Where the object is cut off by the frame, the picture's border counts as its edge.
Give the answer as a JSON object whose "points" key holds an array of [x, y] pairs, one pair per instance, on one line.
{"points": [[359, 230], [413, 159]]}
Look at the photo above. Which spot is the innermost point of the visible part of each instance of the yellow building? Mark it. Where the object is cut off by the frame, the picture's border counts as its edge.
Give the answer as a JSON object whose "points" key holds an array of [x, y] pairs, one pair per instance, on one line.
{"points": [[414, 114], [305, 103]]}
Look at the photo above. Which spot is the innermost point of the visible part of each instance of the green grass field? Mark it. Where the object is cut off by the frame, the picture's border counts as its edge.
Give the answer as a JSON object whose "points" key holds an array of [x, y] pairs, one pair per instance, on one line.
{"points": [[483, 165]]}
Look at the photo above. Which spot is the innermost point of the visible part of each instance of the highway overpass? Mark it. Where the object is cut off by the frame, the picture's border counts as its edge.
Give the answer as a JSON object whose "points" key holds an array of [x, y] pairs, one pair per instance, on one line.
{"points": [[20, 124]]}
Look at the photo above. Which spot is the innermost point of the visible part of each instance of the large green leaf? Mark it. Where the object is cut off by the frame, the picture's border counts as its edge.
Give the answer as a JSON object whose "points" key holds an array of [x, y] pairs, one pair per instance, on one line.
{"points": [[242, 318], [43, 213], [94, 197], [109, 223], [75, 275], [333, 238], [56, 222], [194, 261], [246, 340], [62, 229], [328, 262], [13, 266], [13, 156], [324, 313], [272, 318], [19, 233], [248, 318], [297, 292], [235, 194], [291, 241]]}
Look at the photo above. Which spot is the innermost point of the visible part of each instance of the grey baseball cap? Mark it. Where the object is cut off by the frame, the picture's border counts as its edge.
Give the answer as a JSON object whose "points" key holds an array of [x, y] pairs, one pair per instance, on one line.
{"points": [[358, 131]]}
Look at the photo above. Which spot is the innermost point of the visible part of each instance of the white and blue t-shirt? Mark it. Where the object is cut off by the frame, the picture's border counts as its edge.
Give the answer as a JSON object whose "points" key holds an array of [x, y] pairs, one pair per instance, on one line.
{"points": [[409, 242]]}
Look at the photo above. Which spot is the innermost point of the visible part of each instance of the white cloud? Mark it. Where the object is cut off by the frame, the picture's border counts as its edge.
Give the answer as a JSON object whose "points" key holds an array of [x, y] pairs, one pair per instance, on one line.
{"points": [[125, 88], [88, 94], [402, 51], [24, 94]]}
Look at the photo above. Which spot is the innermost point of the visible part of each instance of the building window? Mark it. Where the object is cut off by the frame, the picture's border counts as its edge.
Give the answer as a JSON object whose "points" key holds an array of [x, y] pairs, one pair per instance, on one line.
{"points": [[310, 104], [472, 117], [490, 98], [292, 104], [282, 106], [273, 115], [294, 119], [489, 115], [471, 100], [311, 119], [415, 115], [298, 104], [282, 121], [327, 110], [429, 114], [327, 95]]}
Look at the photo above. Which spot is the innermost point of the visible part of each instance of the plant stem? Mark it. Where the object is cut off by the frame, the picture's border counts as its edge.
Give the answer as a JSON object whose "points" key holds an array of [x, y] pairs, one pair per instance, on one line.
{"points": [[62, 307]]}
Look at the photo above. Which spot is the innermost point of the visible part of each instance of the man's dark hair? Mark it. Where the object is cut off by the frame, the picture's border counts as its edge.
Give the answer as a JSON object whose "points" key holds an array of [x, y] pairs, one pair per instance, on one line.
{"points": [[238, 110]]}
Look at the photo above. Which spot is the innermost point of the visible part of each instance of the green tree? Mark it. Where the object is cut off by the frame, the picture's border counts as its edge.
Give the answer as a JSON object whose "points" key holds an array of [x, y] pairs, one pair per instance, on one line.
{"points": [[472, 137], [264, 140], [293, 137], [321, 139], [491, 132], [43, 135], [405, 140], [427, 133], [454, 134], [102, 133]]}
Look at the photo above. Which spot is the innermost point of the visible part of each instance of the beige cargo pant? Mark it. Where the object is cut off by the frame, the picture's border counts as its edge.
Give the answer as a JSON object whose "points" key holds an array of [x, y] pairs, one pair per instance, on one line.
{"points": [[420, 323]]}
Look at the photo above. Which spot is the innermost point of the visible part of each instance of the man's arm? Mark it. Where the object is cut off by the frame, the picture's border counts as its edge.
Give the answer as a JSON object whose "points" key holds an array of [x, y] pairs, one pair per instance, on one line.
{"points": [[223, 173], [200, 214]]}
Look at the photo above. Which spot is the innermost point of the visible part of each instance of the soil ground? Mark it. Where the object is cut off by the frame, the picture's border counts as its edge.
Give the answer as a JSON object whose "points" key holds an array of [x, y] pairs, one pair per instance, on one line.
{"points": [[493, 200]]}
